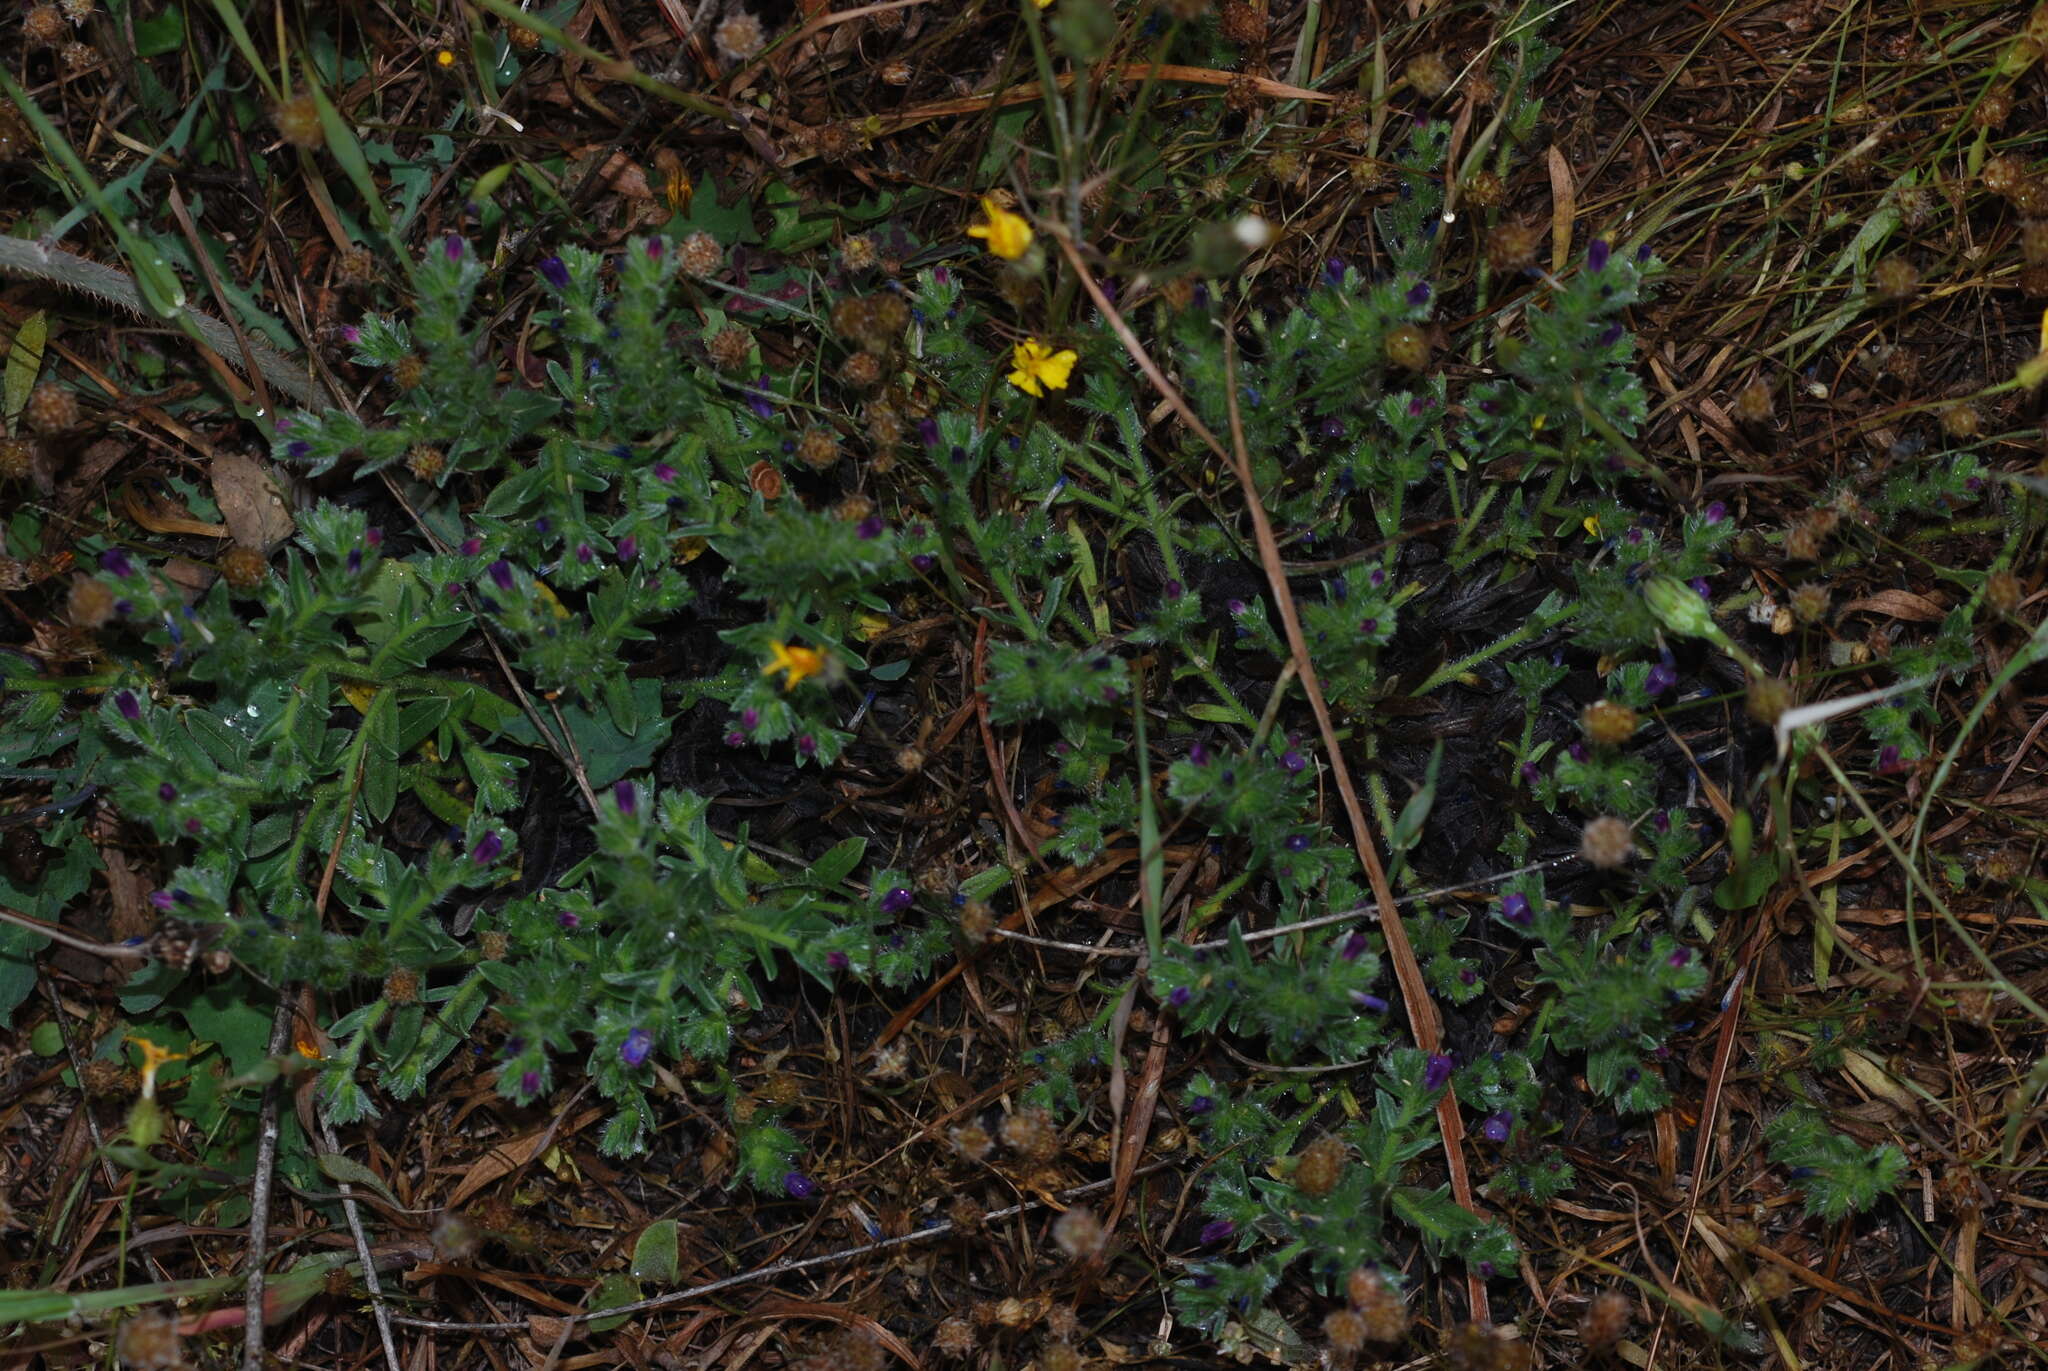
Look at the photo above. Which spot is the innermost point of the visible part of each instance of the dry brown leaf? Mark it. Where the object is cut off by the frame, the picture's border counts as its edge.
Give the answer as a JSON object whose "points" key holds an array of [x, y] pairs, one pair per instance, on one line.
{"points": [[250, 505]]}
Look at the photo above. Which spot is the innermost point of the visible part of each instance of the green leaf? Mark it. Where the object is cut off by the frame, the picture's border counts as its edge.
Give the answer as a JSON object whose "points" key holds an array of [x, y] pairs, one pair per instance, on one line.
{"points": [[338, 1167], [655, 1255], [24, 362], [613, 1291], [160, 33], [837, 864]]}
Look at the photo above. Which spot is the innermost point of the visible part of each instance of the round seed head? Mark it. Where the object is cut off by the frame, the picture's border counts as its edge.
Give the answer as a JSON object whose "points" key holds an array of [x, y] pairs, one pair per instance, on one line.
{"points": [[1345, 1331], [1810, 603], [1061, 1356], [1961, 420], [410, 370], [1605, 721], [147, 1341], [44, 27], [1994, 109], [1429, 75], [765, 480], [2002, 174], [740, 37], [818, 449], [1241, 22], [1754, 403], [1512, 247], [1895, 279], [858, 253], [885, 425], [861, 371], [298, 122], [1078, 1233], [17, 458], [79, 57], [730, 348], [1607, 1317], [1408, 347], [1242, 96], [402, 986], [90, 603], [2034, 242], [77, 11], [51, 409], [955, 1338], [1606, 843], [699, 254], [1768, 699], [1030, 1133], [1320, 1165], [2034, 281], [243, 568], [1485, 190], [971, 1141], [977, 922], [2002, 591]]}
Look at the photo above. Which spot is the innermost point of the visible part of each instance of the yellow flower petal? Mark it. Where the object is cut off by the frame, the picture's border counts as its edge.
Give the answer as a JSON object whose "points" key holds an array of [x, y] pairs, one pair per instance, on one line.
{"points": [[1038, 367], [1008, 235], [797, 663]]}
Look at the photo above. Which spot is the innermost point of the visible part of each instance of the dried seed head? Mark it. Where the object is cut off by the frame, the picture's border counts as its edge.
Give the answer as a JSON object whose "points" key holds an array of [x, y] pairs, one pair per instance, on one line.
{"points": [[2034, 242], [77, 11], [1079, 1233], [494, 944], [44, 27], [105, 1080], [1286, 166], [1482, 89], [2030, 196], [2002, 591], [1485, 190], [1242, 96], [910, 759], [1480, 1347], [402, 986], [1994, 109], [147, 1341], [730, 348], [853, 508], [79, 56], [1768, 699], [298, 122], [2006, 866], [2003, 174], [1408, 347], [955, 1338], [895, 72], [971, 1141], [17, 458], [765, 480], [858, 253], [1062, 1323], [521, 37], [355, 265], [1754, 403], [1382, 1306], [1607, 842], [977, 921], [51, 409], [1895, 279], [90, 604], [243, 568], [2034, 281], [1512, 247], [1606, 721], [1241, 22], [1345, 1332], [1810, 603], [1320, 1165], [861, 371], [966, 1216], [425, 462], [1803, 540], [834, 142], [818, 449], [409, 371], [1177, 293], [885, 425], [699, 255], [1961, 420], [1607, 1317], [740, 37], [1030, 1133], [1429, 76]]}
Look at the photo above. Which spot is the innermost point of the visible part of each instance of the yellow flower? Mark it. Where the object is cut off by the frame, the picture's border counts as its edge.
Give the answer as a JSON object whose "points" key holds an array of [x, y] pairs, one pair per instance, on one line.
{"points": [[153, 1057], [1038, 365], [1044, 4], [797, 662], [1007, 234]]}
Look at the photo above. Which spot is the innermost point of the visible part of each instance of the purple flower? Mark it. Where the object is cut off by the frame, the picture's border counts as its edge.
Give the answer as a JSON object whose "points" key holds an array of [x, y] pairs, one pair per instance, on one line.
{"points": [[501, 574], [1293, 760], [1418, 405], [1716, 512], [162, 900], [1577, 752], [1888, 757], [1371, 1003], [1530, 775], [131, 708], [1515, 909], [471, 546], [635, 1048], [799, 1186], [355, 560], [923, 562], [167, 792], [625, 797], [836, 961], [1486, 1271], [1680, 956], [654, 248], [1643, 253], [350, 333], [1662, 677], [1418, 294], [556, 274], [1333, 272], [1217, 1230], [1596, 255], [1332, 429], [568, 920], [529, 1083], [870, 527], [928, 432], [1174, 590], [629, 548], [1179, 996], [487, 849], [192, 826], [1437, 1074], [807, 746], [897, 900], [749, 717], [663, 472], [1297, 842], [1497, 1126], [453, 247], [1699, 583], [297, 447], [1468, 977], [735, 739], [584, 554], [1354, 947], [1235, 607], [116, 561], [1377, 579], [1611, 335], [1198, 754]]}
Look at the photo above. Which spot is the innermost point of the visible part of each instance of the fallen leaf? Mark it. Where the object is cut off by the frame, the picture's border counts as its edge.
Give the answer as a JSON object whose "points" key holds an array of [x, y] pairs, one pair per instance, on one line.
{"points": [[250, 504]]}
